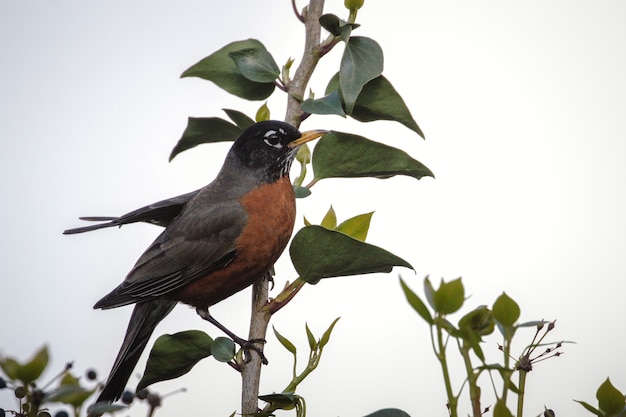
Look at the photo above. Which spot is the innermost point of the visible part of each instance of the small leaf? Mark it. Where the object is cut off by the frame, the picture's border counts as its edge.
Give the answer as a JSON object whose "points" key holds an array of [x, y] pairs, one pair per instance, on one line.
{"points": [[610, 400], [501, 410], [330, 219], [223, 349], [256, 64], [220, 68], [590, 408], [337, 27], [263, 113], [310, 338], [174, 355], [285, 342], [329, 104], [319, 253], [100, 408], [449, 297], [10, 367], [357, 226], [240, 119], [388, 412], [29, 371], [362, 61], [301, 192], [74, 395], [505, 310], [285, 400], [430, 292], [201, 130], [326, 336], [342, 155], [478, 321], [415, 302]]}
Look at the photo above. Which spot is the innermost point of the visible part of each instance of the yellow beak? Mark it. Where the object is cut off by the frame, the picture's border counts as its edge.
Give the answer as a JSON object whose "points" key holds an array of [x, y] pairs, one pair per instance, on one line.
{"points": [[307, 137]]}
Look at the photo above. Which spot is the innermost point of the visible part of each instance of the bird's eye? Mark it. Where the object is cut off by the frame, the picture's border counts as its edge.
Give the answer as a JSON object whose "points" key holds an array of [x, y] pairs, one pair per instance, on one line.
{"points": [[273, 139]]}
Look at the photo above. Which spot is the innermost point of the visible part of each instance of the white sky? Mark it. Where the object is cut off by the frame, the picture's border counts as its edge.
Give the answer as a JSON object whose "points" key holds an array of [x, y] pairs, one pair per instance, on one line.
{"points": [[522, 104]]}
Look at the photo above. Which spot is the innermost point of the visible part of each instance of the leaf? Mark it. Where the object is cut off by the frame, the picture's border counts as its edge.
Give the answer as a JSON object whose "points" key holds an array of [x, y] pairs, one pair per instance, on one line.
{"points": [[329, 104], [301, 192], [415, 302], [222, 70], [337, 27], [72, 394], [29, 371], [263, 113], [201, 130], [310, 338], [430, 292], [319, 253], [590, 408], [357, 226], [449, 297], [240, 119], [362, 61], [478, 321], [505, 310], [501, 410], [285, 400], [326, 336], [285, 342], [343, 155], [330, 219], [388, 412], [223, 349], [174, 355], [256, 64], [610, 400], [379, 100]]}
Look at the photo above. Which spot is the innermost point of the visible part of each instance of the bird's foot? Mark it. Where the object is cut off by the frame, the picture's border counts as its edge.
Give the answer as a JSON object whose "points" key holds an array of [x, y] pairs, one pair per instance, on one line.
{"points": [[246, 345]]}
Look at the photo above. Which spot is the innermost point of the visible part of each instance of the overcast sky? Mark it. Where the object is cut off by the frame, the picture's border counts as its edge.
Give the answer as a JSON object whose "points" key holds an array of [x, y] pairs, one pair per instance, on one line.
{"points": [[523, 107]]}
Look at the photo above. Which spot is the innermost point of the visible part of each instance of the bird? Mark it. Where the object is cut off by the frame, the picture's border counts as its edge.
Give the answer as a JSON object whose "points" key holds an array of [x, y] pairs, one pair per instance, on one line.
{"points": [[217, 240]]}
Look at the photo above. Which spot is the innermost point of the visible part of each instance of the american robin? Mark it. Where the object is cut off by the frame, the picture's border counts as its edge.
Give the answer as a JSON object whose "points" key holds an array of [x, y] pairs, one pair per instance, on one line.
{"points": [[217, 240]]}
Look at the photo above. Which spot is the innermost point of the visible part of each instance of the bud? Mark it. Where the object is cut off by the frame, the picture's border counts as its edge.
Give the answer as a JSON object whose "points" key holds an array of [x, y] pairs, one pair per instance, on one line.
{"points": [[353, 4]]}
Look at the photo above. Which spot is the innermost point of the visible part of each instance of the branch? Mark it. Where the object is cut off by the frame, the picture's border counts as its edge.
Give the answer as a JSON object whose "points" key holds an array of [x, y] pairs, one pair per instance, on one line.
{"points": [[260, 316]]}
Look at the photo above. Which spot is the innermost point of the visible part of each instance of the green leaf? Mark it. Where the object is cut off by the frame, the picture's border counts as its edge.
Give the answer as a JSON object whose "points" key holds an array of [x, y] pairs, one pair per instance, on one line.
{"points": [[256, 64], [285, 342], [98, 409], [337, 27], [610, 400], [415, 302], [357, 226], [330, 219], [318, 253], [388, 412], [326, 336], [223, 349], [285, 400], [174, 355], [505, 310], [201, 130], [301, 192], [221, 69], [362, 61], [379, 100], [342, 155], [329, 104], [240, 119], [430, 292], [478, 321], [263, 113], [449, 297], [72, 394], [310, 338], [501, 410], [590, 408], [29, 371]]}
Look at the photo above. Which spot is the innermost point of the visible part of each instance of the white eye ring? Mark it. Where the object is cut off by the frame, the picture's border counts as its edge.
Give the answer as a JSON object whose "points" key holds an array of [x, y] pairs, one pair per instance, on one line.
{"points": [[272, 139]]}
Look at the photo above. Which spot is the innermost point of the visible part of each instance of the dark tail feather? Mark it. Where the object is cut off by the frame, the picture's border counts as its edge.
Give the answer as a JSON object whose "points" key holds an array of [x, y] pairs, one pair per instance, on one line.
{"points": [[110, 222], [145, 317]]}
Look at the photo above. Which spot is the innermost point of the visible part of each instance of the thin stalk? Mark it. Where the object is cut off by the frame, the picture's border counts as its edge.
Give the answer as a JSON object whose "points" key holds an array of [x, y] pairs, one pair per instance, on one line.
{"points": [[441, 355]]}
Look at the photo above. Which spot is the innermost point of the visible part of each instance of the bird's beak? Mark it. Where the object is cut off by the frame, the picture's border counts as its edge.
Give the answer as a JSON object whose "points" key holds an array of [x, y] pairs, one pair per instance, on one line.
{"points": [[307, 137]]}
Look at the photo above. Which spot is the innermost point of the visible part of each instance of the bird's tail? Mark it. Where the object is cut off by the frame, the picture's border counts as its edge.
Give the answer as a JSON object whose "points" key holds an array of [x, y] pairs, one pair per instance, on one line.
{"points": [[146, 315]]}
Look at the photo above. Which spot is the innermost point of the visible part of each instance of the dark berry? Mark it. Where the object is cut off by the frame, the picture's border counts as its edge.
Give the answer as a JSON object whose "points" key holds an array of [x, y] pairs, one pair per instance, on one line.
{"points": [[44, 414], [20, 392], [61, 413], [2, 412], [142, 394], [3, 383], [91, 375], [127, 397]]}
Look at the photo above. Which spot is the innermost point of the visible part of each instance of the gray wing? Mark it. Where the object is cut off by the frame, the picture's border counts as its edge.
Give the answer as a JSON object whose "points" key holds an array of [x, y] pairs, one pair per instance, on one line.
{"points": [[160, 213], [200, 240]]}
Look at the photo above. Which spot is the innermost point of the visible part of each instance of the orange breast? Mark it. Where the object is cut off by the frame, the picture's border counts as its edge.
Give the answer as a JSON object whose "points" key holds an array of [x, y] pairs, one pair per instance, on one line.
{"points": [[271, 212]]}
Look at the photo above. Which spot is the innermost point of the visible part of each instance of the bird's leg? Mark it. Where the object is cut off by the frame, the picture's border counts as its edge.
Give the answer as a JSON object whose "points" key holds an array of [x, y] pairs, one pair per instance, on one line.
{"points": [[246, 345]]}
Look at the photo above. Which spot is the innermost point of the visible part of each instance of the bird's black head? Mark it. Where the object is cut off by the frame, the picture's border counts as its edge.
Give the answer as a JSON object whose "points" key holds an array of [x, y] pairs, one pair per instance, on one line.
{"points": [[270, 147]]}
